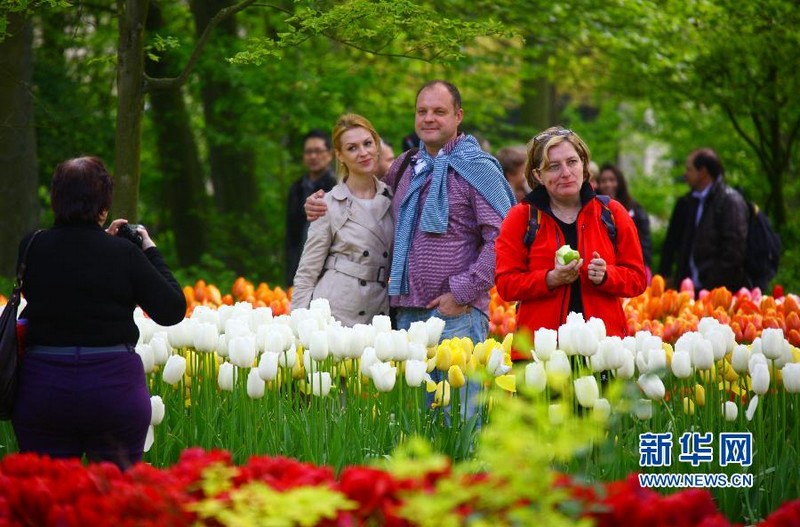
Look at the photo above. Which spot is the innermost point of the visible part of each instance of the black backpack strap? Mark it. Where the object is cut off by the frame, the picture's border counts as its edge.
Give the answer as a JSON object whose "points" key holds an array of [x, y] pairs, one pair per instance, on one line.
{"points": [[403, 166], [534, 218], [607, 217], [23, 262]]}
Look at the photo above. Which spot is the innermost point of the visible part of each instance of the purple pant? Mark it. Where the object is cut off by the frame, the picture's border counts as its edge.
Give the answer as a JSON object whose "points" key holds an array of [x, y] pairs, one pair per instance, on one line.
{"points": [[93, 403]]}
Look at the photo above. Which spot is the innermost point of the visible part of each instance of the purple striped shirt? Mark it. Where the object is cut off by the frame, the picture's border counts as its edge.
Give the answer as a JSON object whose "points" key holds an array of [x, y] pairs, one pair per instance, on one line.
{"points": [[461, 261]]}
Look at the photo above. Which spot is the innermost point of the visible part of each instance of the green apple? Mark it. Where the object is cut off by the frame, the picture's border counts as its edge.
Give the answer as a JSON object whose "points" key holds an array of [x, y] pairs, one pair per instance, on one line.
{"points": [[565, 254]]}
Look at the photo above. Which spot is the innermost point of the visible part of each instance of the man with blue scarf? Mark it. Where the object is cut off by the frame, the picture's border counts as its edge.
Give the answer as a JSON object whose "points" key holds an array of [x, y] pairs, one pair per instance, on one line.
{"points": [[449, 202]]}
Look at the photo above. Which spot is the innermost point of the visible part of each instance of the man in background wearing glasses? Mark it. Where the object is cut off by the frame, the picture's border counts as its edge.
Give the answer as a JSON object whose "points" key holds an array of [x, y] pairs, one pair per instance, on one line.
{"points": [[317, 159]]}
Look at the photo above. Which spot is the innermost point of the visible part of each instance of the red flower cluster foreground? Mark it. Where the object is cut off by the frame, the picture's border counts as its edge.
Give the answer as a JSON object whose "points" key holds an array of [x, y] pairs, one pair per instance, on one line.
{"points": [[40, 491]]}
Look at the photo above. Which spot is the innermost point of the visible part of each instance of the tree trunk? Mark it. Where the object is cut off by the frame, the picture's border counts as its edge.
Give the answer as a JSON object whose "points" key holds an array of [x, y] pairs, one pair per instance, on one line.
{"points": [[232, 165], [19, 212], [130, 107], [185, 199], [538, 109]]}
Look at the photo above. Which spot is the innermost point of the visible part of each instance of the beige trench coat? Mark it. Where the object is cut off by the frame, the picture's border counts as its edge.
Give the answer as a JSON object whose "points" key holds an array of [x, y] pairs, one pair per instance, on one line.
{"points": [[346, 257]]}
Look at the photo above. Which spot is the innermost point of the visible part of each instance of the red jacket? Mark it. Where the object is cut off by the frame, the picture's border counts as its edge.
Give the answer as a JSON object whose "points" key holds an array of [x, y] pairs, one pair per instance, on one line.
{"points": [[520, 271]]}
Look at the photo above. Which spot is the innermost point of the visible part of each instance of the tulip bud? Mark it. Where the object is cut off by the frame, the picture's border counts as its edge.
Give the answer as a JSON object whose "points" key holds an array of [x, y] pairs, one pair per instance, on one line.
{"points": [[535, 377], [415, 372], [268, 366], [643, 409], [791, 377], [320, 382], [255, 385], [751, 408], [157, 410], [730, 410], [682, 364], [455, 375], [652, 386], [226, 376], [544, 343], [586, 390], [174, 369], [759, 377]]}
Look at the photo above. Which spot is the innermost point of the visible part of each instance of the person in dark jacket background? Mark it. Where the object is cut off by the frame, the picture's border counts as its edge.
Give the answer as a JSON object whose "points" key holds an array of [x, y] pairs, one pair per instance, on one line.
{"points": [[317, 158], [707, 234], [82, 387]]}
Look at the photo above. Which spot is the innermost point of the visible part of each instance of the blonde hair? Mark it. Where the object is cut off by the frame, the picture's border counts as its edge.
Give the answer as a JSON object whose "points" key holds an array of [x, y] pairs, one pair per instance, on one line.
{"points": [[347, 122], [539, 147]]}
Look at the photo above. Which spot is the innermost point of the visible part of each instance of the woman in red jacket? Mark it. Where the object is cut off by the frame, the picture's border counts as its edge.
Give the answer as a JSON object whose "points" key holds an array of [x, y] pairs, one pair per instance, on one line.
{"points": [[563, 209]]}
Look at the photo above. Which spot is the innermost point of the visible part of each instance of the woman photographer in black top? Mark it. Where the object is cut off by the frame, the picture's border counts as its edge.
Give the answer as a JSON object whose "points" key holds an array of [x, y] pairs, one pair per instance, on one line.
{"points": [[81, 386]]}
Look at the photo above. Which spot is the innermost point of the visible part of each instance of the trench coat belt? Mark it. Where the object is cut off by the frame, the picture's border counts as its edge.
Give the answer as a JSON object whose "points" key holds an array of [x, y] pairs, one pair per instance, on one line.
{"points": [[370, 273]]}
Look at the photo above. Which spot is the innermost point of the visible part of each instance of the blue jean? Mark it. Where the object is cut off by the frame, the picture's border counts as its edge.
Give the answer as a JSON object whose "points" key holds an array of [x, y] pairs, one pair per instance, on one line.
{"points": [[83, 402], [473, 324]]}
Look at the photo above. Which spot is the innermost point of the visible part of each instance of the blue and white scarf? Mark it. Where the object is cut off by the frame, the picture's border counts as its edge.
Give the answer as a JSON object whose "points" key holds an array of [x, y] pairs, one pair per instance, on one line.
{"points": [[478, 168]]}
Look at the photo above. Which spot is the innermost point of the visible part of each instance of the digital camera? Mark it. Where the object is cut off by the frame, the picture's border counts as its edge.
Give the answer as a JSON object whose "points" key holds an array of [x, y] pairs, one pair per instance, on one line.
{"points": [[129, 232]]}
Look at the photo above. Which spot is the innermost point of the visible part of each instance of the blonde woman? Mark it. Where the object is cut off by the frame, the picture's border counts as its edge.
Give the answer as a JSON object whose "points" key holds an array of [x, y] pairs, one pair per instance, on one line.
{"points": [[346, 257]]}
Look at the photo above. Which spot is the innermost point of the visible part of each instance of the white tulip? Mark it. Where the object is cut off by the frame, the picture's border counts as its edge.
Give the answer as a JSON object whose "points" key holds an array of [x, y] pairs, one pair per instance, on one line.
{"points": [[417, 351], [629, 343], [657, 360], [718, 342], [399, 344], [601, 409], [556, 413], [651, 342], [149, 438], [611, 350], [338, 341], [288, 358], [320, 383], [759, 377], [384, 344], [321, 306], [235, 327], [435, 326], [652, 386], [755, 347], [416, 372], [382, 323], [157, 410], [224, 313], [586, 390], [706, 325], [566, 339], [261, 316], [305, 329], [275, 339], [418, 333], [641, 337], [496, 363], [643, 409], [730, 410], [145, 352], [598, 326], [365, 337], [628, 368], [791, 377], [205, 337], [222, 346], [598, 361], [558, 365], [544, 343], [772, 342], [180, 334], [174, 369], [268, 366], [584, 340], [536, 376], [682, 364], [255, 384], [702, 354], [242, 351], [740, 358], [751, 408], [318, 345], [146, 328], [368, 358], [161, 347], [383, 376], [227, 376]]}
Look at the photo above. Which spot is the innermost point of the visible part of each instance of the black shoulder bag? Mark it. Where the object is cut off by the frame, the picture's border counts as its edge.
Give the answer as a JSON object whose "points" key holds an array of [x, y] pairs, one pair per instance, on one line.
{"points": [[9, 351]]}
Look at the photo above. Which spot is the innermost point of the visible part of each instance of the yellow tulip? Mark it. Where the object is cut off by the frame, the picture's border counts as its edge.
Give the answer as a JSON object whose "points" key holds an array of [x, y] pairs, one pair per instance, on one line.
{"points": [[700, 394], [688, 406], [472, 365], [507, 343], [456, 376], [442, 396], [443, 357], [467, 345], [458, 358], [481, 352], [507, 382]]}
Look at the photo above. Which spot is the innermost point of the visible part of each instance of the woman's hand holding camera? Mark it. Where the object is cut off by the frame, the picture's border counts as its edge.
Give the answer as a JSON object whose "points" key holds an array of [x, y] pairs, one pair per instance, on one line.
{"points": [[137, 234]]}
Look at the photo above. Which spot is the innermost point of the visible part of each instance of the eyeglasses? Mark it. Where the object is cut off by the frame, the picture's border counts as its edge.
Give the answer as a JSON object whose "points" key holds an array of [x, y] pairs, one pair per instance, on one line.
{"points": [[561, 132], [314, 151]]}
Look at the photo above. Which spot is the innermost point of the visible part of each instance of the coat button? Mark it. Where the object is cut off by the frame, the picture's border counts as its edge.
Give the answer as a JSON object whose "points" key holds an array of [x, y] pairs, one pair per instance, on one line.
{"points": [[362, 313], [385, 254], [366, 253], [363, 282]]}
